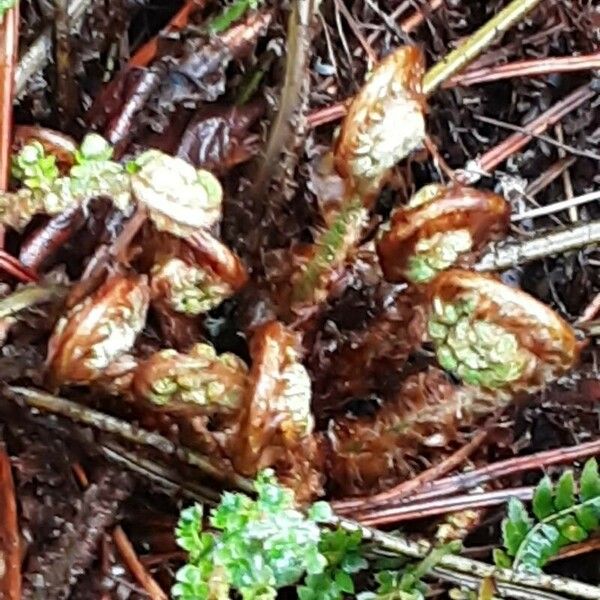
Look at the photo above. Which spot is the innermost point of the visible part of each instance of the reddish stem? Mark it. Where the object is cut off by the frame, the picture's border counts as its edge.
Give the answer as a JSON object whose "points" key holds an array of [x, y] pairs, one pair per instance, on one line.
{"points": [[498, 154], [511, 466], [14, 268], [146, 53], [10, 541], [526, 68], [409, 512], [137, 569]]}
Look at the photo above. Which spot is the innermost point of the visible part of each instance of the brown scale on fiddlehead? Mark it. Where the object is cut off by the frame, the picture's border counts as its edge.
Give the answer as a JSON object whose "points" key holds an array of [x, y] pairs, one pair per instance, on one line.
{"points": [[440, 226], [275, 427], [497, 337], [98, 332], [198, 382], [499, 341], [367, 454]]}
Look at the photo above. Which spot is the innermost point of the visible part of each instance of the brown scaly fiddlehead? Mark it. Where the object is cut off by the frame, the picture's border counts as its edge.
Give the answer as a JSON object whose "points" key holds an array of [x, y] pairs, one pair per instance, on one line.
{"points": [[368, 146], [498, 340], [98, 332], [441, 226], [198, 382]]}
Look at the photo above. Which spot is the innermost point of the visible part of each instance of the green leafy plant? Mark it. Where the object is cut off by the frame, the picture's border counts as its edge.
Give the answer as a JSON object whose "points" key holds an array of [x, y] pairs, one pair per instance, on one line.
{"points": [[342, 551], [563, 514], [231, 14], [258, 545], [34, 168], [407, 584]]}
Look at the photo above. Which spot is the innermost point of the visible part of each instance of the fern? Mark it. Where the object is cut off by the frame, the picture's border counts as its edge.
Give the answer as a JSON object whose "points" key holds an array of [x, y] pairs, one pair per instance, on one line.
{"points": [[331, 250], [564, 514]]}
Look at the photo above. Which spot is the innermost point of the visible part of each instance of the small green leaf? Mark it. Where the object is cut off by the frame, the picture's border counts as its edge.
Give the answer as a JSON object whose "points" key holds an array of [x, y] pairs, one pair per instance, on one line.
{"points": [[565, 491], [516, 526], [542, 499], [590, 481], [588, 516], [320, 512], [344, 582], [570, 529], [538, 548], [501, 559]]}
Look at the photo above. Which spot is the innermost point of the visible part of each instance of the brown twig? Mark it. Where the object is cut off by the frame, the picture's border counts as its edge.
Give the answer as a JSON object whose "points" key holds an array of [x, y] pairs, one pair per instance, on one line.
{"points": [[65, 93], [498, 154], [526, 68], [37, 56], [407, 512], [137, 569], [511, 466], [371, 54], [217, 469], [407, 488], [9, 39], [146, 53], [412, 22], [10, 541], [505, 255], [591, 545]]}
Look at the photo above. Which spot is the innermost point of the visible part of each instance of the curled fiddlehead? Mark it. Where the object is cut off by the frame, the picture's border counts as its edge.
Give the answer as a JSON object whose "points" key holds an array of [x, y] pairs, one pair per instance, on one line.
{"points": [[497, 337], [192, 276], [368, 146], [440, 226], [384, 124], [98, 331], [276, 424], [198, 382], [188, 289], [179, 198]]}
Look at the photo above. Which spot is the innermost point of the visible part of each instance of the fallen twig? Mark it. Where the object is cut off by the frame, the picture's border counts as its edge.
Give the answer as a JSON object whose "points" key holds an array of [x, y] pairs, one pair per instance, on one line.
{"points": [[137, 569], [505, 255], [526, 68], [299, 40], [9, 39], [65, 93], [461, 565], [511, 466], [10, 542], [498, 154], [83, 414], [555, 207], [407, 512], [164, 476]]}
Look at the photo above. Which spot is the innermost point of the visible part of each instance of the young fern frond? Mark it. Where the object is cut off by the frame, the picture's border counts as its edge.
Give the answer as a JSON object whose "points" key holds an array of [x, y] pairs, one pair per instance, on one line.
{"points": [[331, 249], [562, 515]]}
